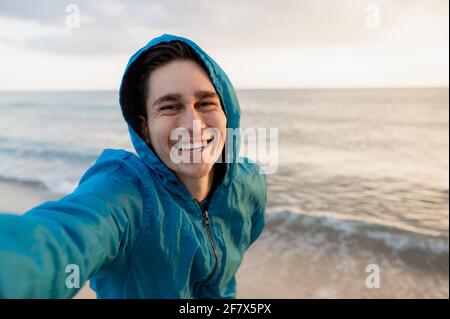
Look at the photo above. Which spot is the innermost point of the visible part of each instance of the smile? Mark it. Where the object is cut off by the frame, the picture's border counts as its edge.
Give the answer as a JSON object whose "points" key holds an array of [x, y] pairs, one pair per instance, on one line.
{"points": [[194, 146]]}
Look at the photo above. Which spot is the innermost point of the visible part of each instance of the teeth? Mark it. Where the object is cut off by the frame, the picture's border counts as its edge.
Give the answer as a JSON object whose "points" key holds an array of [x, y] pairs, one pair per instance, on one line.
{"points": [[190, 146]]}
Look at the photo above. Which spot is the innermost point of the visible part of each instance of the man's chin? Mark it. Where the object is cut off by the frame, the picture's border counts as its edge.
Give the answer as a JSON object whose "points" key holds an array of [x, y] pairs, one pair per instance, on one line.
{"points": [[193, 170]]}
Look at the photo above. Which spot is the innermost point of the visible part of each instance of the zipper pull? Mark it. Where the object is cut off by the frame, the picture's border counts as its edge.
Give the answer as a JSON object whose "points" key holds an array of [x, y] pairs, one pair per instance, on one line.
{"points": [[206, 219]]}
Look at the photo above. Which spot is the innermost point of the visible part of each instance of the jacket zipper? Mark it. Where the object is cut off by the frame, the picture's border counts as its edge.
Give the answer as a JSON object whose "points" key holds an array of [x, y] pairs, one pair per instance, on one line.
{"points": [[211, 241]]}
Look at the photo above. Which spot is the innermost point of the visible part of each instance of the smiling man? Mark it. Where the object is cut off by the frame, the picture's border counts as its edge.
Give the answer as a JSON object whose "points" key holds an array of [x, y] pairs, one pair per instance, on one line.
{"points": [[179, 94], [173, 221]]}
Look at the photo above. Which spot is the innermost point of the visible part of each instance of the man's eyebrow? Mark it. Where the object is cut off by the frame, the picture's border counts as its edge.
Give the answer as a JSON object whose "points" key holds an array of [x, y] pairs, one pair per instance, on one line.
{"points": [[205, 94], [170, 97]]}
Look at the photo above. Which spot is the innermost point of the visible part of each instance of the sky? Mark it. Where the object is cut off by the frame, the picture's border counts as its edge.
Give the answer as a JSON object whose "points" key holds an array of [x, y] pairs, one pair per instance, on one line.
{"points": [[85, 45]]}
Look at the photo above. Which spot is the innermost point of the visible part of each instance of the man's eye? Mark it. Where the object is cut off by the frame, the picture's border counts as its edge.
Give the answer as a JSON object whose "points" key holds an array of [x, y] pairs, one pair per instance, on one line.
{"points": [[168, 108], [206, 105]]}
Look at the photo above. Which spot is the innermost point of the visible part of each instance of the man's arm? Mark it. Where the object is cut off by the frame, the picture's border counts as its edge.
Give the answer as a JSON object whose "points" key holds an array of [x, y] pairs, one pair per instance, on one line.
{"points": [[259, 217], [87, 229]]}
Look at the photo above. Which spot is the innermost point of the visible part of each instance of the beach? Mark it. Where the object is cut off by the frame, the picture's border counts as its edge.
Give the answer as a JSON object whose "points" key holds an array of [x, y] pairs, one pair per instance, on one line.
{"points": [[18, 197], [289, 262], [361, 187], [329, 263]]}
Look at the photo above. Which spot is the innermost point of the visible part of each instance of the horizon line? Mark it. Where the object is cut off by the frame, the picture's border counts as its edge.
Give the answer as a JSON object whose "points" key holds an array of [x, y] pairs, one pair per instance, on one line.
{"points": [[437, 86]]}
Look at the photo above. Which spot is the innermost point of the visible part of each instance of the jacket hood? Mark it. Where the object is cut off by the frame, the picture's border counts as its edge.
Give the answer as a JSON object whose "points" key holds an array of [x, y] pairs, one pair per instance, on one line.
{"points": [[229, 102]]}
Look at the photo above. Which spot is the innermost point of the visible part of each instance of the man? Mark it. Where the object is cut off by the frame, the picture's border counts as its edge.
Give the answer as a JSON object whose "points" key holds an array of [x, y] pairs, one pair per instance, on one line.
{"points": [[171, 222]]}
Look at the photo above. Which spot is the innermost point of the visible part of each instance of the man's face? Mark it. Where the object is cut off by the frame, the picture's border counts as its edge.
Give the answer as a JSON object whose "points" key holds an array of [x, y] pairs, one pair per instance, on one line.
{"points": [[181, 95]]}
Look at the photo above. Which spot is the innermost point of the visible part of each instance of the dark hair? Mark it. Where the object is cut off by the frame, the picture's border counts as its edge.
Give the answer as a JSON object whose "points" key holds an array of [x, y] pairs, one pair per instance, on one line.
{"points": [[134, 90]]}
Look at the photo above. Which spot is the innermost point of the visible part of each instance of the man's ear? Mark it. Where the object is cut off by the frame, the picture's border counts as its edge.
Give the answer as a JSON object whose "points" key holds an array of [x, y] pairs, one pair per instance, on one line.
{"points": [[144, 129]]}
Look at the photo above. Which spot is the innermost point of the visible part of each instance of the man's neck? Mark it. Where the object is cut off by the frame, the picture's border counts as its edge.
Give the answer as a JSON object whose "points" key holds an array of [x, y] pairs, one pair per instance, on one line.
{"points": [[198, 187]]}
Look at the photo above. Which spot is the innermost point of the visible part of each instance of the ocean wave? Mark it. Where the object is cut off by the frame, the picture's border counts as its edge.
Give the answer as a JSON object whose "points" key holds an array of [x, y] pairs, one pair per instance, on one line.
{"points": [[324, 226], [60, 187], [82, 155], [24, 104], [301, 256]]}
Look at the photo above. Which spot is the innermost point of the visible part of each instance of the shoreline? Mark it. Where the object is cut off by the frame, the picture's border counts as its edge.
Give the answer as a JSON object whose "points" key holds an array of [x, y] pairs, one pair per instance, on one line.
{"points": [[19, 197], [295, 265]]}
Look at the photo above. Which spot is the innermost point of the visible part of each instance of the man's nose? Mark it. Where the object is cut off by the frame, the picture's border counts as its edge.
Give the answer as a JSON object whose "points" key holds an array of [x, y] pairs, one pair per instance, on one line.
{"points": [[191, 120]]}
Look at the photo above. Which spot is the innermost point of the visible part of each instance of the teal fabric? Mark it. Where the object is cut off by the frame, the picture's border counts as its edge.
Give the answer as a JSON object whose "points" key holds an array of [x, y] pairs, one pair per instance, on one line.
{"points": [[132, 227]]}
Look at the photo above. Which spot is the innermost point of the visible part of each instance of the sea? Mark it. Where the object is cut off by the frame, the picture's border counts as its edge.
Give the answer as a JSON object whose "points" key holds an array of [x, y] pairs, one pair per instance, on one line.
{"points": [[358, 199]]}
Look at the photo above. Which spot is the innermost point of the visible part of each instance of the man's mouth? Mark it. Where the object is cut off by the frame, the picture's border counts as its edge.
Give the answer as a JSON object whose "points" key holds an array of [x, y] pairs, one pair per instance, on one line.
{"points": [[194, 146]]}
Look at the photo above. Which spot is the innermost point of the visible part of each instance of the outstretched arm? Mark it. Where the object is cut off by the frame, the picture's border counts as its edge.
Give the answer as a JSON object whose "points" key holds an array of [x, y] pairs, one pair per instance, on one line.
{"points": [[88, 228]]}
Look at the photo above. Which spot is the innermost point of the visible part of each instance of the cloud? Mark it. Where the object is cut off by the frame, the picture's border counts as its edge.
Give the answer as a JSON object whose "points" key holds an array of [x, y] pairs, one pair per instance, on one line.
{"points": [[299, 41], [118, 26]]}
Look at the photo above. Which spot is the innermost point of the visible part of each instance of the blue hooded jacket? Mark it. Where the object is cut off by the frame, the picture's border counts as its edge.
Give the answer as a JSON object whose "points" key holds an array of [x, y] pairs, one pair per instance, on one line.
{"points": [[132, 227]]}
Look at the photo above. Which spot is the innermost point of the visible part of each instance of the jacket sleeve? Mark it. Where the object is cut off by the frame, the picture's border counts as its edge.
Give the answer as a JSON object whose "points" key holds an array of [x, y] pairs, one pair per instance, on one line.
{"points": [[43, 251], [259, 217]]}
